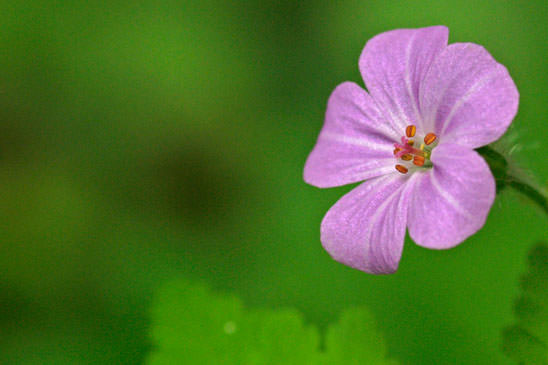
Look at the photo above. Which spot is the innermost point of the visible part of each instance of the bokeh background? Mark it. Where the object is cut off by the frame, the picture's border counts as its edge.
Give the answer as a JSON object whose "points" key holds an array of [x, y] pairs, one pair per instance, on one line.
{"points": [[142, 141]]}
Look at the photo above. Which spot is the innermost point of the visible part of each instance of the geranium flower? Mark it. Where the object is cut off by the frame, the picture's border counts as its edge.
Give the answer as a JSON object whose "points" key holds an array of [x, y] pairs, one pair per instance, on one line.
{"points": [[412, 140]]}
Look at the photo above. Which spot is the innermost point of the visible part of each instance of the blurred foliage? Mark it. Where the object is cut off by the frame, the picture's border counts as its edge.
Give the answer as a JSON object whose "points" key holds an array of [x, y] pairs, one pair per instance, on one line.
{"points": [[355, 340], [527, 341], [142, 141], [192, 325]]}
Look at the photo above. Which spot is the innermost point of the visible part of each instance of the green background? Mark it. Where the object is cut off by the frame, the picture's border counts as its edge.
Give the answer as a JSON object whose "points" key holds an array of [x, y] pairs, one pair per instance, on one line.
{"points": [[142, 141]]}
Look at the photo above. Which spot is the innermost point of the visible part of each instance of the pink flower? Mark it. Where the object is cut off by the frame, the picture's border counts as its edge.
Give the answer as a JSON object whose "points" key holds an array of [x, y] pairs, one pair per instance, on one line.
{"points": [[412, 140]]}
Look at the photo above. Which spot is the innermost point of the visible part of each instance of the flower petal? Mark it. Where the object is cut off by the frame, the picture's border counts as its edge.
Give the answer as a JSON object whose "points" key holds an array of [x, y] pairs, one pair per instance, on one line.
{"points": [[393, 65], [451, 201], [365, 229], [467, 97], [355, 142]]}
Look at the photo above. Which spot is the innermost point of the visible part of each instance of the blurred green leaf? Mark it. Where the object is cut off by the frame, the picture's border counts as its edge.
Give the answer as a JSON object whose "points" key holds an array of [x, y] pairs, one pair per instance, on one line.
{"points": [[526, 342], [278, 337], [354, 340], [193, 325]]}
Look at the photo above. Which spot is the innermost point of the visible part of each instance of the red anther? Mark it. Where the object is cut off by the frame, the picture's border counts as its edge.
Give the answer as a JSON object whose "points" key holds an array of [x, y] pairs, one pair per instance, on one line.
{"points": [[401, 169], [407, 157], [410, 131], [418, 160], [429, 138]]}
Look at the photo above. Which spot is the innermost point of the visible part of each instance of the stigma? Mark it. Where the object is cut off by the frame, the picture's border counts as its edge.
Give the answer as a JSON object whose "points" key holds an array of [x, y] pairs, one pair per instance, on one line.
{"points": [[412, 152]]}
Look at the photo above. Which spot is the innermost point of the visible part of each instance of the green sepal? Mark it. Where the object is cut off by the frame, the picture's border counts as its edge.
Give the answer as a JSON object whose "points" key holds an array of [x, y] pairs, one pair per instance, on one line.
{"points": [[498, 165]]}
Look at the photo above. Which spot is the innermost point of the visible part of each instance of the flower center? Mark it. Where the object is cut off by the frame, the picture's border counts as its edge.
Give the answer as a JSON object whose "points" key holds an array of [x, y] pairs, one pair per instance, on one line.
{"points": [[412, 154]]}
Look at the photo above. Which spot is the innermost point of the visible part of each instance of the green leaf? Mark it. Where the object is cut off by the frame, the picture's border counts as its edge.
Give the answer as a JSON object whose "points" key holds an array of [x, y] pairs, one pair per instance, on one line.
{"points": [[526, 342], [354, 340], [193, 325], [279, 337]]}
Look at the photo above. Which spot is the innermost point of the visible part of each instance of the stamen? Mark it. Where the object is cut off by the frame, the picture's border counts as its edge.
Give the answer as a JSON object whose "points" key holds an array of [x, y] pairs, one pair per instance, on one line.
{"points": [[429, 138], [410, 131], [401, 169], [419, 155], [418, 160]]}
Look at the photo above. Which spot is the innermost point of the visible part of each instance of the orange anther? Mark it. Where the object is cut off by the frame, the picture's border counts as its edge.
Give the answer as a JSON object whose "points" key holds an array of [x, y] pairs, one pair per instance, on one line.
{"points": [[429, 138], [396, 150], [401, 169], [410, 142], [410, 131], [418, 160], [407, 157]]}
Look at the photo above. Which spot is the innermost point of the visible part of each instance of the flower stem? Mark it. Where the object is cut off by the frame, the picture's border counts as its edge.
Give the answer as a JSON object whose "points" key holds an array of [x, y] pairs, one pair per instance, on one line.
{"points": [[529, 191], [504, 177]]}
